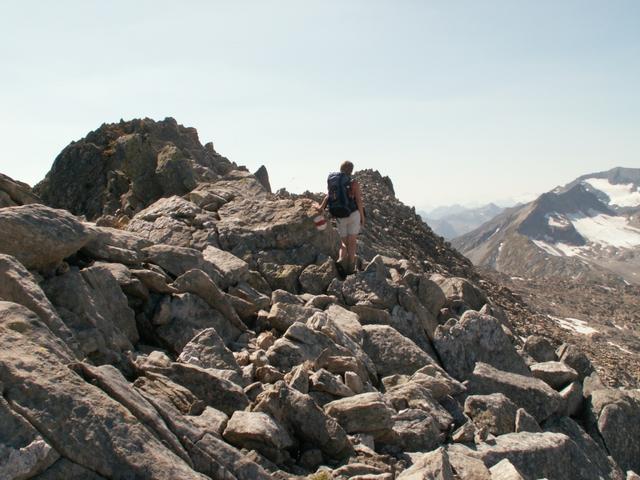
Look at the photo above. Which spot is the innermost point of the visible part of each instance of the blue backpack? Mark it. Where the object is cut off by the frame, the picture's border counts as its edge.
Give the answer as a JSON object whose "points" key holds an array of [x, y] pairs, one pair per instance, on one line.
{"points": [[341, 202]]}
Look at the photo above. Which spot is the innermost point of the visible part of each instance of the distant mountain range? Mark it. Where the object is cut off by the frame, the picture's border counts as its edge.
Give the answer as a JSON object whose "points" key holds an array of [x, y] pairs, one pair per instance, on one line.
{"points": [[455, 220], [587, 228]]}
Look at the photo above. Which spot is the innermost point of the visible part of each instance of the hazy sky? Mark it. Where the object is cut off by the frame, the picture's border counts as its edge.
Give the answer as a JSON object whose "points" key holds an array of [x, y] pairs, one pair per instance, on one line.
{"points": [[457, 101]]}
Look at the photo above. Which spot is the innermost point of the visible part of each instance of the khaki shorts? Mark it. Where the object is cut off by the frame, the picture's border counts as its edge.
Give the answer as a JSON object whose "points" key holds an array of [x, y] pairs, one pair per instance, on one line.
{"points": [[349, 225]]}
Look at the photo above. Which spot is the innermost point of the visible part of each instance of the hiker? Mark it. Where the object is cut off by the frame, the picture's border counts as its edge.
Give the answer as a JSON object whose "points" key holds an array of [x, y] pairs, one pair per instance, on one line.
{"points": [[344, 200]]}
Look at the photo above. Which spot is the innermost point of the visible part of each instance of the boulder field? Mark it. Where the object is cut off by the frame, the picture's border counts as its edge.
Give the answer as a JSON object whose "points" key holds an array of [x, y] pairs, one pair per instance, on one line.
{"points": [[174, 319]]}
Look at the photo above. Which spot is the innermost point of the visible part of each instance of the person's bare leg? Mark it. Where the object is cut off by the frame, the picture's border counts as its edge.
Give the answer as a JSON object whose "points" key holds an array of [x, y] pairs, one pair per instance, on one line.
{"points": [[344, 250], [352, 241], [343, 256]]}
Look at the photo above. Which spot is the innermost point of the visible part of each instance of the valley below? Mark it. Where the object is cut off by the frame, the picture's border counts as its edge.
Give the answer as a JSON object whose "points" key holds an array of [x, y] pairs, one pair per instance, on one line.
{"points": [[604, 320]]}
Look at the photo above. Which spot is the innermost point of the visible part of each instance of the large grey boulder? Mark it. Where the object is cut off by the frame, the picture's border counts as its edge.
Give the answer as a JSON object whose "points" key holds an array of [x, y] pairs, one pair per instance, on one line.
{"points": [[262, 175], [412, 395], [495, 412], [111, 381], [319, 336], [19, 286], [75, 416], [283, 315], [469, 468], [233, 269], [209, 385], [40, 237], [97, 313], [555, 374], [346, 321], [201, 430], [14, 193], [599, 458], [431, 295], [281, 276], [456, 288], [316, 277], [403, 321], [304, 419], [324, 381], [614, 416], [430, 466], [369, 288], [393, 353], [476, 338], [549, 455], [175, 221], [415, 430], [364, 413], [426, 320], [113, 245], [234, 185], [252, 225], [179, 318], [539, 348], [258, 431], [530, 393], [64, 468], [198, 282], [178, 260], [207, 350], [504, 470], [23, 451], [576, 359]]}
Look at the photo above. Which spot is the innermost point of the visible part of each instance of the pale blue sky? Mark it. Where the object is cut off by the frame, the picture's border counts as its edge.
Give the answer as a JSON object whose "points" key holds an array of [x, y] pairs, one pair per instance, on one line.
{"points": [[457, 101]]}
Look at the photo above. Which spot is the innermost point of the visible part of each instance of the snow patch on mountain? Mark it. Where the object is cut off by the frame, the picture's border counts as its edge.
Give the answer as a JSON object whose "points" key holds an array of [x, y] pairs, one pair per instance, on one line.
{"points": [[558, 249], [557, 220], [621, 195], [607, 230], [574, 324]]}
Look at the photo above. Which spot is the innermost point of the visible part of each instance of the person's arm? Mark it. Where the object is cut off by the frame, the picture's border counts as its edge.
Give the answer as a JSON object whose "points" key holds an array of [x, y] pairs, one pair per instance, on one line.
{"points": [[358, 195], [323, 205]]}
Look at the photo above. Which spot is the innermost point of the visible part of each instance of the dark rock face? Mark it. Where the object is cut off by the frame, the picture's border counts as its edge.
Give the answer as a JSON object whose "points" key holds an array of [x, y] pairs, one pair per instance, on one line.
{"points": [[123, 167]]}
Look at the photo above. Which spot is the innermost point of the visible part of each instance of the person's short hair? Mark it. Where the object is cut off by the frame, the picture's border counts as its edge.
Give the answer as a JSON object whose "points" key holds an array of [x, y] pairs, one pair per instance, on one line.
{"points": [[346, 167]]}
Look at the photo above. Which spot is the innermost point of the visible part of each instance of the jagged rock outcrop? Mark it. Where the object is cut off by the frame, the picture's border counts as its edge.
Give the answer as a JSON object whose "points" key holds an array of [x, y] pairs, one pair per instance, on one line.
{"points": [[14, 193], [121, 168], [206, 333]]}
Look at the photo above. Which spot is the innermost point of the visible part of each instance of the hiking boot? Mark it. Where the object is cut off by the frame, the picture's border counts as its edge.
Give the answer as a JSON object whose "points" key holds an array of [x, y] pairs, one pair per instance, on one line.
{"points": [[341, 270]]}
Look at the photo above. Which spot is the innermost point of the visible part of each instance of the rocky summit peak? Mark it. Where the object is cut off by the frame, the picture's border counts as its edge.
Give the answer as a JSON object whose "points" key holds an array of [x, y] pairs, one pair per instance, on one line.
{"points": [[200, 329], [121, 168]]}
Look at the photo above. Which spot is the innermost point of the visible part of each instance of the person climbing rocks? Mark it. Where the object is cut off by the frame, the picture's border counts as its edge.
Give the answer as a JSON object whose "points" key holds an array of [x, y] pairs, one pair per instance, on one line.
{"points": [[344, 200]]}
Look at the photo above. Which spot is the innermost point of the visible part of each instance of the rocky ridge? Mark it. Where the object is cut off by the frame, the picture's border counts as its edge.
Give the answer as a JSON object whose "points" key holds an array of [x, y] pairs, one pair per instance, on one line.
{"points": [[209, 335]]}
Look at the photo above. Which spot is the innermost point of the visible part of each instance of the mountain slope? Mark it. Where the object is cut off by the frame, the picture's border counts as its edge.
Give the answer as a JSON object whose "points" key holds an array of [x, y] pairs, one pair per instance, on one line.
{"points": [[211, 336], [586, 229], [452, 222]]}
